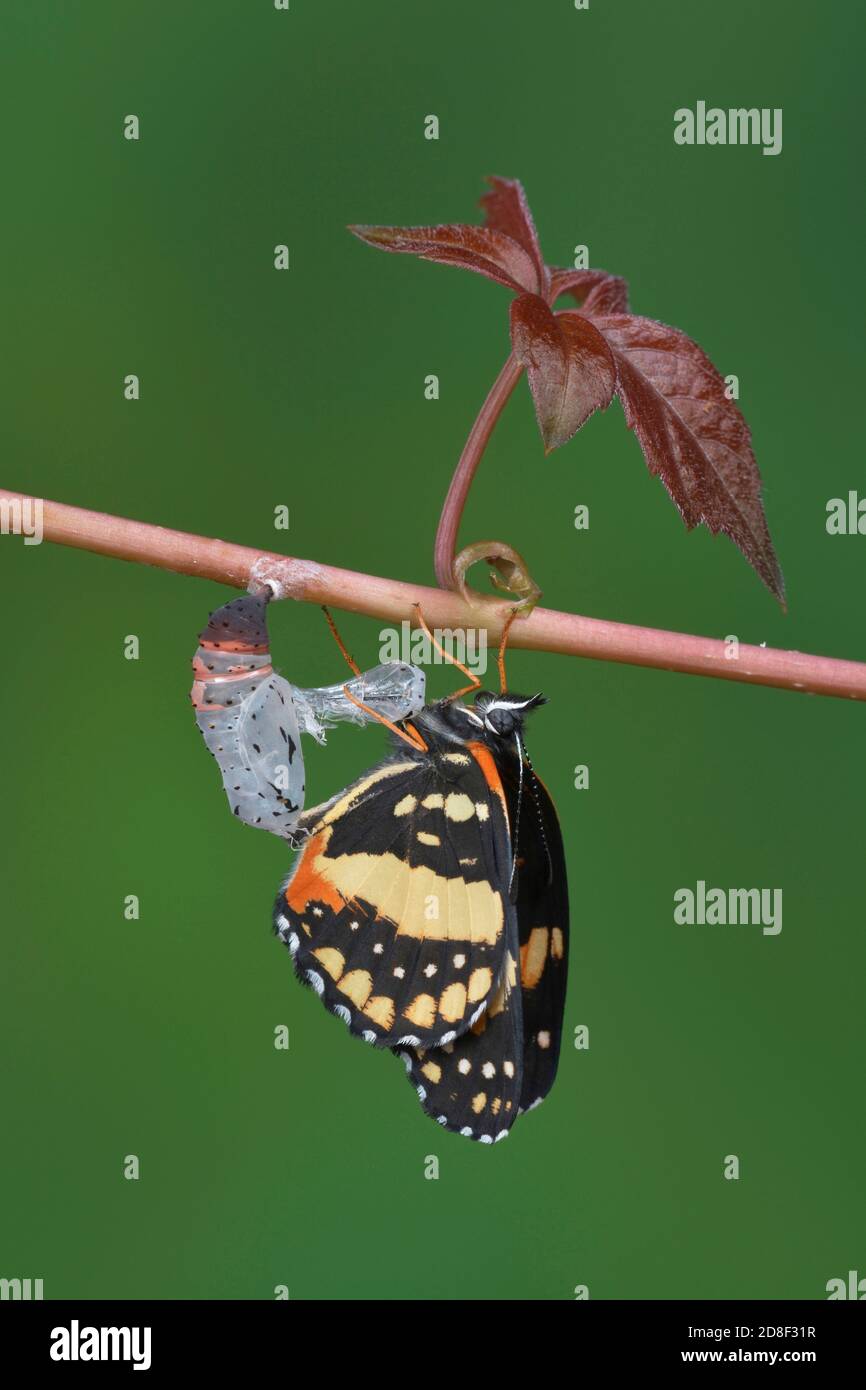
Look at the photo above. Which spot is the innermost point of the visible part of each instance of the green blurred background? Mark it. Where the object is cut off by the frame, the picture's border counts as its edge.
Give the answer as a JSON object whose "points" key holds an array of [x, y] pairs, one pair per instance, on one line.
{"points": [[306, 1167]]}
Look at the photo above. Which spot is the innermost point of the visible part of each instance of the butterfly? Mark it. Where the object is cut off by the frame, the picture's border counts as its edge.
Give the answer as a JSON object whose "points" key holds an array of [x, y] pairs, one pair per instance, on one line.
{"points": [[428, 909]]}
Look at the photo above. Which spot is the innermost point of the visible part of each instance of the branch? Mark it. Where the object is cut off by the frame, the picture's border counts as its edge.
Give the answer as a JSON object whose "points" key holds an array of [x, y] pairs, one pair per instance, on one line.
{"points": [[390, 599]]}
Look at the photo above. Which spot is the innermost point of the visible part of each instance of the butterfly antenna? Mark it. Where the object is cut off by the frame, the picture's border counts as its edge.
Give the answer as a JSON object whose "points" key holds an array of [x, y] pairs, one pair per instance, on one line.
{"points": [[535, 797], [516, 837]]}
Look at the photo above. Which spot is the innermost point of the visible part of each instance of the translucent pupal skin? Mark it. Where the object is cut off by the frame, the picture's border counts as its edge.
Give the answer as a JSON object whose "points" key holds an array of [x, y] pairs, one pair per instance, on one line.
{"points": [[252, 719], [394, 690]]}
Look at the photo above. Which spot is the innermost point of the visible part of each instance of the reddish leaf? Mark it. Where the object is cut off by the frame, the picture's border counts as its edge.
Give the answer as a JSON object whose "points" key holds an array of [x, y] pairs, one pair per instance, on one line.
{"points": [[609, 296], [483, 249], [595, 290], [692, 437], [506, 210], [569, 365]]}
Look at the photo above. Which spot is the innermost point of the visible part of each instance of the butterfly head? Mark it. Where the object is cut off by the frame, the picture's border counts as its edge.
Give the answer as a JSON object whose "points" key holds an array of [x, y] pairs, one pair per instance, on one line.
{"points": [[503, 715]]}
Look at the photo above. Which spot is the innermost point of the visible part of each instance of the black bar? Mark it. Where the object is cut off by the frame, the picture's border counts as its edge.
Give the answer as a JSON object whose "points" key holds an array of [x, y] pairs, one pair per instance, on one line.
{"points": [[224, 1336]]}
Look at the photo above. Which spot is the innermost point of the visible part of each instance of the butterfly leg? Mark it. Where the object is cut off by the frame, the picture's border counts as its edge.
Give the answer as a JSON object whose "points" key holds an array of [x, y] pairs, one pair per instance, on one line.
{"points": [[474, 682], [500, 660], [409, 735], [353, 666], [395, 685]]}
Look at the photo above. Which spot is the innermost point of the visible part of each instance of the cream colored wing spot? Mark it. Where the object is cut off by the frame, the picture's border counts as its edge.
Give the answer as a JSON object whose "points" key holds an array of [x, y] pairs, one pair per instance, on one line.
{"points": [[381, 774], [464, 1066], [543, 1040], [506, 984], [461, 759], [422, 1011], [425, 838], [432, 1071], [533, 957], [459, 962], [479, 1101], [495, 1105], [357, 985], [479, 984], [488, 1070], [381, 1009], [459, 807], [557, 944], [406, 805], [400, 892], [333, 960], [508, 1068], [482, 810], [452, 1002], [469, 863], [434, 802]]}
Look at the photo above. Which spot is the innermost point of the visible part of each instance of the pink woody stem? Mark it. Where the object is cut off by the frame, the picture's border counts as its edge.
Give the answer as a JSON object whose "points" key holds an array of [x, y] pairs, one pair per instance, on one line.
{"points": [[455, 501], [392, 600]]}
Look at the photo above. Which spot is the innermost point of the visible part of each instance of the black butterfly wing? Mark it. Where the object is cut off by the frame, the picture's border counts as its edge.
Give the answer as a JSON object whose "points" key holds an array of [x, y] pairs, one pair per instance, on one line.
{"points": [[542, 917], [507, 1061], [472, 1086], [390, 913]]}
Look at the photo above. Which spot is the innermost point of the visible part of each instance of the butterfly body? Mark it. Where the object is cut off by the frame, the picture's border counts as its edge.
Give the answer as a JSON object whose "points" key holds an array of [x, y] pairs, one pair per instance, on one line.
{"points": [[428, 909]]}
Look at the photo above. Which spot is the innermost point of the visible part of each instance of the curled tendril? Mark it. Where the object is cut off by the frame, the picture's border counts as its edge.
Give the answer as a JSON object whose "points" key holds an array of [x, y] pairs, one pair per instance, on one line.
{"points": [[508, 573]]}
